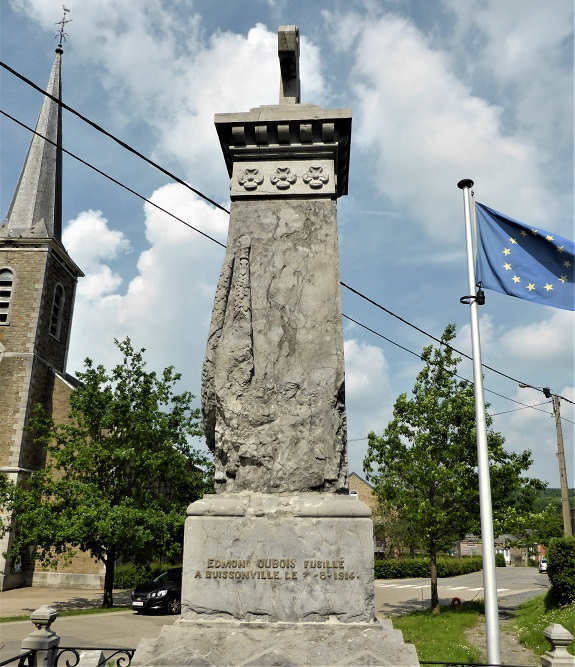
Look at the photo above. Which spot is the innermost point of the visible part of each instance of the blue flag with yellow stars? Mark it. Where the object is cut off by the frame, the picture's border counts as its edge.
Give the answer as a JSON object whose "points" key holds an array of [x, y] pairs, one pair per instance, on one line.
{"points": [[522, 261]]}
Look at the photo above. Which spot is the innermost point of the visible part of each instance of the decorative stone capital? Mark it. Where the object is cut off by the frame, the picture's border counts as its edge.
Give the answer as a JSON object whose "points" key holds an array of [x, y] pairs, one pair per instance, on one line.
{"points": [[284, 134], [43, 617]]}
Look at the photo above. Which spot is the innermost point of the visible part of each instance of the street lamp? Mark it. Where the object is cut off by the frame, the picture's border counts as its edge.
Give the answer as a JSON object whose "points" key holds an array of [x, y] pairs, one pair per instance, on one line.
{"points": [[567, 527]]}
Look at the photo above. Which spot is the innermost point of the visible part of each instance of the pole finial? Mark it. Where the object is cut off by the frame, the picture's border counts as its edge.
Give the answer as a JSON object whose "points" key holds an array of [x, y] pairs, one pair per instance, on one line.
{"points": [[61, 35], [465, 183]]}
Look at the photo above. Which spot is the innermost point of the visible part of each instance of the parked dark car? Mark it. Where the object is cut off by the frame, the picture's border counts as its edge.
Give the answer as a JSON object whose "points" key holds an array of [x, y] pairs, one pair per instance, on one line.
{"points": [[164, 593]]}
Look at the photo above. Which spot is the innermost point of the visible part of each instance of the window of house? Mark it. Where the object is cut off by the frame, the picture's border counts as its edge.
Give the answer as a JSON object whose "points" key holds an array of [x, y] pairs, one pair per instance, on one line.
{"points": [[57, 310], [6, 284]]}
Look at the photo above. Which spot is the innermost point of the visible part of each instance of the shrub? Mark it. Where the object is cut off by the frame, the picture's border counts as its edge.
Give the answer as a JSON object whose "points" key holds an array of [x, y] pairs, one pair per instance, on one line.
{"points": [[500, 560], [129, 575], [561, 571], [415, 568]]}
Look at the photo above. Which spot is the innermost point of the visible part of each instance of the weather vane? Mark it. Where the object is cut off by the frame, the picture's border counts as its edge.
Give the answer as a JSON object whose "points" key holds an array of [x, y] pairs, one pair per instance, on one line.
{"points": [[61, 34]]}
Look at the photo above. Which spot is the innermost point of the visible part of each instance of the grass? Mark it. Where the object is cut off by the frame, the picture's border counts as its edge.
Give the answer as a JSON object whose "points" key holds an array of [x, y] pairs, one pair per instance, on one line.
{"points": [[70, 612], [532, 618], [441, 637]]}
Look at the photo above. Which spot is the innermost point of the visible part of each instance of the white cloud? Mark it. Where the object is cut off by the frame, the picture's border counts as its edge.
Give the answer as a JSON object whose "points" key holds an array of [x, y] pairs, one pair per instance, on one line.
{"points": [[166, 307], [547, 341], [159, 68], [537, 349], [526, 64], [368, 396], [426, 130], [89, 240]]}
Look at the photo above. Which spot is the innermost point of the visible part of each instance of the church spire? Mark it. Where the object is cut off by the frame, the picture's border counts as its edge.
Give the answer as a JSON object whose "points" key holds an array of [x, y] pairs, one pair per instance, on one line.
{"points": [[36, 208]]}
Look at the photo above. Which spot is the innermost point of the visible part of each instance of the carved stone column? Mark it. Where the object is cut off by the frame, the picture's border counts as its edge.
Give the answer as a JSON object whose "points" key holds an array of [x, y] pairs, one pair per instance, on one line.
{"points": [[278, 566], [273, 376]]}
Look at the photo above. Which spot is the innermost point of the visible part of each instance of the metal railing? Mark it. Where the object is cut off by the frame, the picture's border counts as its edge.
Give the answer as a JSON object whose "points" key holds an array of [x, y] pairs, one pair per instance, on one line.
{"points": [[466, 664], [21, 660], [68, 656], [119, 657]]}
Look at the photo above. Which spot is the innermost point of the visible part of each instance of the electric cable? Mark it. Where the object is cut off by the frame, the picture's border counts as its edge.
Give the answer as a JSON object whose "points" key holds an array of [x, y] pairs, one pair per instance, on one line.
{"points": [[211, 238], [111, 178], [123, 144], [220, 207]]}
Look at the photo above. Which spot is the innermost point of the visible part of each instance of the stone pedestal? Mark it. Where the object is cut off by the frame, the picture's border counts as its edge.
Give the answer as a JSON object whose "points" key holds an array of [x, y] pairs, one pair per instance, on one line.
{"points": [[290, 558], [210, 644], [273, 579]]}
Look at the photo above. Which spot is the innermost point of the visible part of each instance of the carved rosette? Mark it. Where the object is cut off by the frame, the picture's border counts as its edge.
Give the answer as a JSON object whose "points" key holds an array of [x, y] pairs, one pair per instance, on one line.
{"points": [[275, 178], [315, 177], [250, 178], [283, 178]]}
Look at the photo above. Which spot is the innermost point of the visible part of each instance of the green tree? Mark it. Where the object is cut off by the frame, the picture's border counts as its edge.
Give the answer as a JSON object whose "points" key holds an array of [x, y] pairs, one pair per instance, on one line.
{"points": [[424, 466], [119, 475]]}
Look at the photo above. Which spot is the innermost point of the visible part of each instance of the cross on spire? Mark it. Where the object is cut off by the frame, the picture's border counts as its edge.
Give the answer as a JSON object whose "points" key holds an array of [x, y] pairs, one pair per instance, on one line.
{"points": [[61, 35], [288, 53]]}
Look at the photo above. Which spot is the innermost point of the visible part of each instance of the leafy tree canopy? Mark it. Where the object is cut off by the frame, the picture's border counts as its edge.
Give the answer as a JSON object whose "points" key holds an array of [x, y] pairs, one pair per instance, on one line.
{"points": [[119, 475], [424, 466]]}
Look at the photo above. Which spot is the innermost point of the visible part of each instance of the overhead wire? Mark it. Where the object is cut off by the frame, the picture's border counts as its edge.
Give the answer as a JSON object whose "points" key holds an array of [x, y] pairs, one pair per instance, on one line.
{"points": [[220, 207], [211, 238], [114, 180], [123, 144]]}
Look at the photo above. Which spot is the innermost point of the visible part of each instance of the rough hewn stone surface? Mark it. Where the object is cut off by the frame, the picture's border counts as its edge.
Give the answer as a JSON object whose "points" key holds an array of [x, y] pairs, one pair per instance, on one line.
{"points": [[273, 376], [306, 557], [207, 644]]}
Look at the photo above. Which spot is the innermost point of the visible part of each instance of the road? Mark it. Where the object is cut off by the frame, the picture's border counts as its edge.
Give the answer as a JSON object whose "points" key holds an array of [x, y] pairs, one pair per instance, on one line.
{"points": [[392, 597], [398, 596]]}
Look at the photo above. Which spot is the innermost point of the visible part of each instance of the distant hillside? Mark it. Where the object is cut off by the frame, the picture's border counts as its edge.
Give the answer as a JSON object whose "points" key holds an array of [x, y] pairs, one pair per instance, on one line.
{"points": [[552, 496]]}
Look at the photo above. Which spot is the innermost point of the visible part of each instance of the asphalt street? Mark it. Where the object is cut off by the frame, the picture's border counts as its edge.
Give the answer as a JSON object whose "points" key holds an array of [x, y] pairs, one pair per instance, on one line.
{"points": [[126, 629]]}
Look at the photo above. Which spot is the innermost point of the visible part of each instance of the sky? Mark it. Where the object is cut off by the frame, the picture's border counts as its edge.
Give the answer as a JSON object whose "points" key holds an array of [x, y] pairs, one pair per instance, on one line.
{"points": [[439, 90]]}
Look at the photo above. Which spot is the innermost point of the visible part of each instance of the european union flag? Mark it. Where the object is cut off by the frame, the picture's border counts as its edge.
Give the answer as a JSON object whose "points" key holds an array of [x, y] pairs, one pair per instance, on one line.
{"points": [[522, 261]]}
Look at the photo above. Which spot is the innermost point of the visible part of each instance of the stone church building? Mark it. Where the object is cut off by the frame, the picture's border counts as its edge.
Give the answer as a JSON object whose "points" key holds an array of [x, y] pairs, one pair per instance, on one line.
{"points": [[37, 289]]}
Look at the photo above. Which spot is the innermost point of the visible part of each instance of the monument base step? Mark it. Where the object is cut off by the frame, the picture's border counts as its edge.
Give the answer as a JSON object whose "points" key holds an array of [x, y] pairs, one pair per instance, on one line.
{"points": [[242, 644]]}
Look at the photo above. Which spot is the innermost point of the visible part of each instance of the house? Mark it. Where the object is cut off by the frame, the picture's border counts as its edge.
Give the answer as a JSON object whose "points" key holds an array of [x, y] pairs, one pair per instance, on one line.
{"points": [[365, 492], [515, 550]]}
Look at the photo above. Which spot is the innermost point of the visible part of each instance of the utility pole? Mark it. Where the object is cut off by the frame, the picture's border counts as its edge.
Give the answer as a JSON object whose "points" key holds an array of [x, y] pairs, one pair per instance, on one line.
{"points": [[566, 509], [567, 527]]}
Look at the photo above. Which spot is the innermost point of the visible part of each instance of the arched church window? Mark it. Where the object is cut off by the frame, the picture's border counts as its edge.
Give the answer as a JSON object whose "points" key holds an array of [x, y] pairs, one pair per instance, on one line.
{"points": [[57, 310], [6, 284]]}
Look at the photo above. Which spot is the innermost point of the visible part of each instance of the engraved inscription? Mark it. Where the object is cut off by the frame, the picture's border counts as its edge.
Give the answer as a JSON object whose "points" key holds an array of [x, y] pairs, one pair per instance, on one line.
{"points": [[276, 569]]}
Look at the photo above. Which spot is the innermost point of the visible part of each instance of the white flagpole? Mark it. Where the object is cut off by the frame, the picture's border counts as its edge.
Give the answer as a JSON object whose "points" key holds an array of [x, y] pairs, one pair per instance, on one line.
{"points": [[487, 536]]}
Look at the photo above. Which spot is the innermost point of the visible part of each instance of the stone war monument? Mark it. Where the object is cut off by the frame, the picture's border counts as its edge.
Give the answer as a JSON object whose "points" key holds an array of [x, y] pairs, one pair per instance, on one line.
{"points": [[278, 564]]}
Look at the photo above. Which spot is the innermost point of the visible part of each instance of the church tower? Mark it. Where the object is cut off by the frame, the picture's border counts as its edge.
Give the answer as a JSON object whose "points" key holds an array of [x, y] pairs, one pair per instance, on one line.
{"points": [[37, 289]]}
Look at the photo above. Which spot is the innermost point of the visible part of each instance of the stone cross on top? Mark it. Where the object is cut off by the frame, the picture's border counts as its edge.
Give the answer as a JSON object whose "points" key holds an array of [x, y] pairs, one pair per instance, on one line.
{"points": [[288, 53]]}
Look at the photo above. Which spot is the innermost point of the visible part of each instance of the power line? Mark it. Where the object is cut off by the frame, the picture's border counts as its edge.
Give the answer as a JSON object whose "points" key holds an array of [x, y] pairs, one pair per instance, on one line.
{"points": [[415, 354], [110, 178], [413, 326], [211, 201], [123, 144]]}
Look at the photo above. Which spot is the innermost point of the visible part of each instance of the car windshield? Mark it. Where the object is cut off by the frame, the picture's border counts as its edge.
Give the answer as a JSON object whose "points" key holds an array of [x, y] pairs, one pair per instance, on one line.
{"points": [[168, 577]]}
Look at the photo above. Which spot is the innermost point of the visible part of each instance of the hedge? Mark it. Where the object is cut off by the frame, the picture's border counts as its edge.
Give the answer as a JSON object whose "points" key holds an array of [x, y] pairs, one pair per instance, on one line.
{"points": [[561, 571], [414, 568], [129, 575], [500, 560]]}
